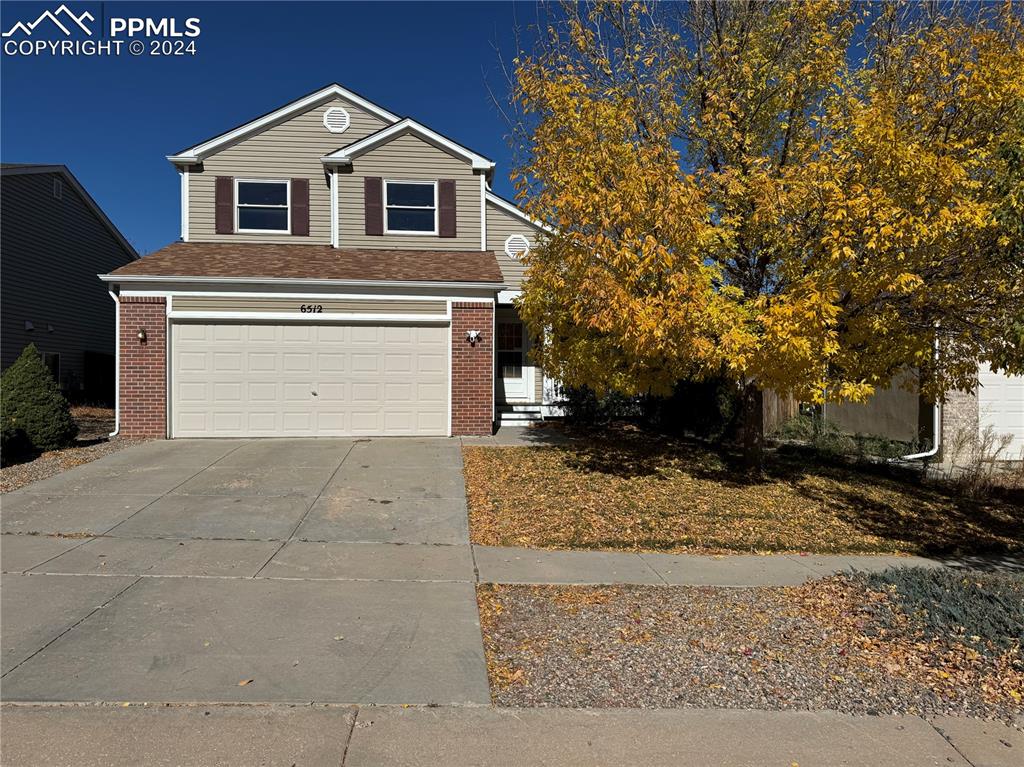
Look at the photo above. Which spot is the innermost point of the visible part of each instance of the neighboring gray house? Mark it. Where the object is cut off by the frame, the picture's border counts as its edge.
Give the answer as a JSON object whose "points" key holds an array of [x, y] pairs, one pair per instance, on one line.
{"points": [[994, 410], [54, 240]]}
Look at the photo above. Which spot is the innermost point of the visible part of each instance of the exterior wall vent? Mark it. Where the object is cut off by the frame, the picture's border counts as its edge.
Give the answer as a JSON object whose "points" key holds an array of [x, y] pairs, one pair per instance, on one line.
{"points": [[517, 246], [337, 120]]}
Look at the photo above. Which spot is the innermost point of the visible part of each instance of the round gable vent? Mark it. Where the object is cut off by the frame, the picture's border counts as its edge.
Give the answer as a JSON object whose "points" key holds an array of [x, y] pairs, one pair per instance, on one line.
{"points": [[336, 120], [517, 246]]}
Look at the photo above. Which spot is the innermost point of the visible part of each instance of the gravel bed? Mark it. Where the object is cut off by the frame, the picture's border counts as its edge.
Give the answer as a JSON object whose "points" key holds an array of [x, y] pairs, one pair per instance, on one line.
{"points": [[700, 647], [56, 461]]}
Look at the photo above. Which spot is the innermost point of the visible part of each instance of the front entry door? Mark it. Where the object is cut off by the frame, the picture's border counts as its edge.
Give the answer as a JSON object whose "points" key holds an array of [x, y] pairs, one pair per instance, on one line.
{"points": [[512, 368]]}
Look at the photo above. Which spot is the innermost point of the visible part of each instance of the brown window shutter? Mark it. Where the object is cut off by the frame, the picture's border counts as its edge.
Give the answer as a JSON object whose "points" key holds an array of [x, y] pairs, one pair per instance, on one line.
{"points": [[446, 208], [373, 206], [300, 206], [224, 205]]}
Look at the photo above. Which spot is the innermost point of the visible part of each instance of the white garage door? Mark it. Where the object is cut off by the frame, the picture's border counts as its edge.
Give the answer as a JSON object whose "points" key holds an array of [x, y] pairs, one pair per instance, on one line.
{"points": [[233, 380], [1001, 407]]}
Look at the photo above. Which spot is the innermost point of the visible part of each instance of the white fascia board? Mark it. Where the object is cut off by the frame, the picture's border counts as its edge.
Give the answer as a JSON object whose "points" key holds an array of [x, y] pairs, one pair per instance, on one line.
{"points": [[508, 207], [344, 155], [199, 151], [508, 296], [139, 278]]}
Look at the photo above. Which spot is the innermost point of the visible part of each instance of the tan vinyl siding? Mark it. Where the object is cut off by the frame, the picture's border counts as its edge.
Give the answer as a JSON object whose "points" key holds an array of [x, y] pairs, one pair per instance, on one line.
{"points": [[52, 249], [501, 225], [330, 306], [291, 149], [409, 158]]}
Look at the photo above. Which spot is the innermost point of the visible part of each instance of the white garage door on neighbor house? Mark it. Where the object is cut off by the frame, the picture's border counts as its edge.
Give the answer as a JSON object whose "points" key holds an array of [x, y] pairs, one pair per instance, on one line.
{"points": [[1001, 408], [300, 380]]}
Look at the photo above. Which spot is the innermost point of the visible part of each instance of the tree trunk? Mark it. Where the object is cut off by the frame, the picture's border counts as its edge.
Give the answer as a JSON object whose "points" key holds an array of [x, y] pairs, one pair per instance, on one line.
{"points": [[753, 428]]}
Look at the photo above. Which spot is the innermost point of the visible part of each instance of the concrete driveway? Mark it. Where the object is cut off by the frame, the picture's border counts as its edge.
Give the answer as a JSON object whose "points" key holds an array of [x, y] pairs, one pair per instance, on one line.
{"points": [[335, 571]]}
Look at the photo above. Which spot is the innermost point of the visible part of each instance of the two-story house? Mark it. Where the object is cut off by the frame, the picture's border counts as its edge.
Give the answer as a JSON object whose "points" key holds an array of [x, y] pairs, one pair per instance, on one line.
{"points": [[341, 271]]}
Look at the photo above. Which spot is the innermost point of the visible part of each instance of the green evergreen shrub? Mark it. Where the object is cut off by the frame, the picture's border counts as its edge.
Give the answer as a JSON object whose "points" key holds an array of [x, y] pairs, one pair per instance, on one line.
{"points": [[980, 608], [31, 402]]}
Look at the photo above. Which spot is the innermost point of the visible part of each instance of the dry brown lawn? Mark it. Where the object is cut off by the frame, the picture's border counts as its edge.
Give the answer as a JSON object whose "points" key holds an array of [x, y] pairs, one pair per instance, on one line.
{"points": [[631, 491]]}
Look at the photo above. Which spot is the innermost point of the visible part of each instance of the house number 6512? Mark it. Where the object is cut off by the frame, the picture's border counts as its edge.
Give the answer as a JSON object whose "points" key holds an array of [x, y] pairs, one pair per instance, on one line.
{"points": [[314, 308]]}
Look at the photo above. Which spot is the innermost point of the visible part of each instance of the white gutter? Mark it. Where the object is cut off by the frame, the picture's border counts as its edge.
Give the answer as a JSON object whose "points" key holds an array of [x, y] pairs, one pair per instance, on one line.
{"points": [[117, 364], [123, 278]]}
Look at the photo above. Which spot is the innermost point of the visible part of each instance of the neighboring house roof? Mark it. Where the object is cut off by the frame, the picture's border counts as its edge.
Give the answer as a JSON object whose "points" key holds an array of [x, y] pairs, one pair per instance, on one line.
{"points": [[22, 168], [404, 127], [203, 149], [312, 262]]}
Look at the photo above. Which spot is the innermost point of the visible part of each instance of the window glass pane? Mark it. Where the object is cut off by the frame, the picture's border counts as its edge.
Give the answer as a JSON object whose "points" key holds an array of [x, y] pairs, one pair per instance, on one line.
{"points": [[410, 220], [411, 194], [510, 335], [260, 193], [263, 218], [510, 364]]}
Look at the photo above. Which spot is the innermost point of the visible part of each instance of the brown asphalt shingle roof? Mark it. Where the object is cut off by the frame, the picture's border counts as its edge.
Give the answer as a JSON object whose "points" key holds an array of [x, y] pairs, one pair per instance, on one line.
{"points": [[317, 262]]}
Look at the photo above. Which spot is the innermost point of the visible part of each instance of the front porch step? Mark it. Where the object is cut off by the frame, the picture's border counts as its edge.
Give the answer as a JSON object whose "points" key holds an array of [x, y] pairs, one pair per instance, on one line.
{"points": [[520, 412]]}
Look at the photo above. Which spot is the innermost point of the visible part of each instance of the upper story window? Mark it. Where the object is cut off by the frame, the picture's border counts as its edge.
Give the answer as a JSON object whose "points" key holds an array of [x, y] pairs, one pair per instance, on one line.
{"points": [[262, 206], [411, 207]]}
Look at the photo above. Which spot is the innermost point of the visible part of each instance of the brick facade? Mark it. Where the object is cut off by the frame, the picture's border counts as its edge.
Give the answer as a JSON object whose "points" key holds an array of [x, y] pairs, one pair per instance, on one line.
{"points": [[472, 369], [960, 423], [143, 368]]}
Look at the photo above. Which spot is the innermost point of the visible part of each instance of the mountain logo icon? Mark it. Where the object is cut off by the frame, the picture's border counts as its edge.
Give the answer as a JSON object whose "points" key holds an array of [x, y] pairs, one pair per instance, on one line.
{"points": [[63, 18]]}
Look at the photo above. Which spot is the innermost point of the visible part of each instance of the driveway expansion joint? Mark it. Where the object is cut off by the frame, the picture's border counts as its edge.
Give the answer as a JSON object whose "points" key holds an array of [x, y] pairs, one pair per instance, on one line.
{"points": [[70, 628], [163, 495]]}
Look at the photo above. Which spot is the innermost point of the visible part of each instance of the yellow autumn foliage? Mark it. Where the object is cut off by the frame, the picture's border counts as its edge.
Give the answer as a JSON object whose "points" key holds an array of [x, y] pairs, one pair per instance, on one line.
{"points": [[802, 196]]}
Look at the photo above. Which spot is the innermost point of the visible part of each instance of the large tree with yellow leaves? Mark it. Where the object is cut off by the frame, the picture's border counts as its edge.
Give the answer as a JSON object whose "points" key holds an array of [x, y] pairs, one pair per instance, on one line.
{"points": [[805, 197]]}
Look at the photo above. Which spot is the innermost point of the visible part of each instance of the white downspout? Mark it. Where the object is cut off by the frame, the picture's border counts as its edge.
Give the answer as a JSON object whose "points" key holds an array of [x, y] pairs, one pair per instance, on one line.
{"points": [[117, 363], [936, 421], [936, 436]]}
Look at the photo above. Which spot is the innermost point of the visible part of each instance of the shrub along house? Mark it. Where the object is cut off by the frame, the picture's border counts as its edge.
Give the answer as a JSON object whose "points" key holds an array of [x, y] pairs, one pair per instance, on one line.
{"points": [[341, 271]]}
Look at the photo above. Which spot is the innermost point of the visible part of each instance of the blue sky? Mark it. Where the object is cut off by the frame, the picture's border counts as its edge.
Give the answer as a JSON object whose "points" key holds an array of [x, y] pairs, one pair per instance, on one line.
{"points": [[113, 120]]}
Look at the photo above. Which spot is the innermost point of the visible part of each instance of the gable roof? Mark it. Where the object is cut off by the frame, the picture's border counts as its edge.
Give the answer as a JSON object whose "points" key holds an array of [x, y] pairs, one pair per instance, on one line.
{"points": [[404, 127], [203, 149], [512, 209], [262, 262], [25, 168]]}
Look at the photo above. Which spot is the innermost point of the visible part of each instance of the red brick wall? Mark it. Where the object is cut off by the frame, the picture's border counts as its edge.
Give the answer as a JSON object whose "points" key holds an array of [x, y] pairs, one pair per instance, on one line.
{"points": [[143, 367], [472, 369]]}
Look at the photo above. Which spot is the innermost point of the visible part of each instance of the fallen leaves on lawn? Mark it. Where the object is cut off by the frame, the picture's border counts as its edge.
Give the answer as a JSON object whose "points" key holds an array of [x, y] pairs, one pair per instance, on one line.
{"points": [[651, 494]]}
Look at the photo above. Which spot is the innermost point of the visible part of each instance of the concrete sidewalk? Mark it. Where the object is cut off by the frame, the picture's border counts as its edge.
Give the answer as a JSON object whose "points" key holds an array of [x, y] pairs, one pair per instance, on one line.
{"points": [[538, 566], [488, 737]]}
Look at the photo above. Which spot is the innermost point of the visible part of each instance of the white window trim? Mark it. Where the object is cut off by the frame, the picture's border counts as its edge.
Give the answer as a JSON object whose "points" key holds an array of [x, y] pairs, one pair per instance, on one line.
{"points": [[184, 203], [287, 206], [335, 224], [483, 213], [403, 232]]}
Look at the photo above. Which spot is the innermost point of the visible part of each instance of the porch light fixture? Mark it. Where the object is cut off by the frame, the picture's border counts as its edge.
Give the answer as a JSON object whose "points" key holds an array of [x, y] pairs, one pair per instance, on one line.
{"points": [[142, 335], [473, 336]]}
